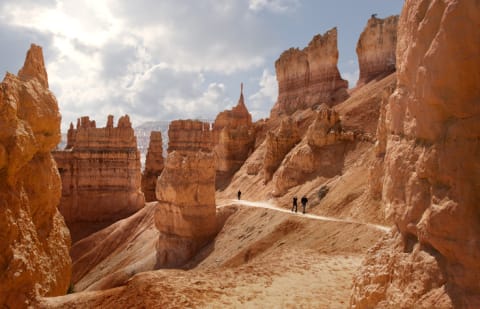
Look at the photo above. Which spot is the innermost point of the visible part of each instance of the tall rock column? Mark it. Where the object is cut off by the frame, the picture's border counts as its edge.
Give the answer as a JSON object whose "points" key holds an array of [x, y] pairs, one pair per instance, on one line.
{"points": [[309, 77], [101, 175], [431, 184], [153, 166], [186, 213], [376, 48], [234, 139], [34, 241]]}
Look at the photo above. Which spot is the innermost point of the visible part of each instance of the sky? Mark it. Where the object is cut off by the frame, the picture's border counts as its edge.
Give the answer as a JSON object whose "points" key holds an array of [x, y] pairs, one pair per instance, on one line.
{"points": [[181, 59]]}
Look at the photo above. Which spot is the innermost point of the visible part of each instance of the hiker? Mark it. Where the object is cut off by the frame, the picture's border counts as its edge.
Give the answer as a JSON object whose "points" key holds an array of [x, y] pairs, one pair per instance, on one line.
{"points": [[239, 194], [294, 204], [304, 201]]}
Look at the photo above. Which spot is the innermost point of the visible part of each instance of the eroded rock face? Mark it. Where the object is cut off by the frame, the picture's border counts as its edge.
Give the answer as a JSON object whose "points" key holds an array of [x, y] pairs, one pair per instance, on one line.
{"points": [[185, 215], [34, 241], [321, 152], [310, 76], [101, 178], [278, 145], [234, 140], [376, 48], [153, 166], [432, 171]]}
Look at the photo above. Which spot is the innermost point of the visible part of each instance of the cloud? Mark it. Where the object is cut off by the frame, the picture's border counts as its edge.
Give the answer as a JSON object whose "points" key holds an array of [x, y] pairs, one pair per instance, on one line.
{"points": [[261, 101], [351, 77], [277, 6]]}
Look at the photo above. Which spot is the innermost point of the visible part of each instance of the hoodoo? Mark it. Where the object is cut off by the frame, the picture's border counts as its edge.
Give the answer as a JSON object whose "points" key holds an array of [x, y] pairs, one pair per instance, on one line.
{"points": [[376, 49], [186, 213], [101, 177], [153, 166], [309, 77], [234, 139], [34, 241]]}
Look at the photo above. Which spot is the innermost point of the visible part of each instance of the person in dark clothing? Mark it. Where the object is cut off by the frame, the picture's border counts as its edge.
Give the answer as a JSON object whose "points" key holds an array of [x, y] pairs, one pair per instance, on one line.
{"points": [[294, 204], [304, 201], [239, 194]]}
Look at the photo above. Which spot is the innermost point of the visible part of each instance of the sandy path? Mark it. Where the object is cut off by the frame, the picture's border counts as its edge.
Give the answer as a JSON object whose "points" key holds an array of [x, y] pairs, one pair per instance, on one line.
{"points": [[307, 215]]}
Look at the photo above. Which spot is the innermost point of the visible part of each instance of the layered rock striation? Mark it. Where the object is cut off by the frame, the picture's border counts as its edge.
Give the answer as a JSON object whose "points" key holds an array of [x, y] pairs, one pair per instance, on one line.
{"points": [[234, 140], [153, 166], [376, 48], [431, 167], [186, 211], [34, 241], [310, 76], [101, 178]]}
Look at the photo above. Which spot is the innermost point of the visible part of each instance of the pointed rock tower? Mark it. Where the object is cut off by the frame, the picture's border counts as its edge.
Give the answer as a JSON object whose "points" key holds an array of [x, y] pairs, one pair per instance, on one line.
{"points": [[234, 139]]}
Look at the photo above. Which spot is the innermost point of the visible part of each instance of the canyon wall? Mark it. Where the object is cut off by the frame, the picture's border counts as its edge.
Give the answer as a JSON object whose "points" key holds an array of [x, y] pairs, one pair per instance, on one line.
{"points": [[376, 48], [310, 76], [431, 168], [34, 241], [234, 140], [186, 212], [100, 170], [153, 166]]}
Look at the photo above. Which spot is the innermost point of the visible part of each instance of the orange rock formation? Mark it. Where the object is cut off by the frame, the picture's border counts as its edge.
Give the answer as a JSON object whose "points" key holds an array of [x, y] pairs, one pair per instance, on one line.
{"points": [[153, 166], [100, 170], [34, 241], [432, 171], [234, 139], [185, 214], [310, 76], [278, 144], [376, 49]]}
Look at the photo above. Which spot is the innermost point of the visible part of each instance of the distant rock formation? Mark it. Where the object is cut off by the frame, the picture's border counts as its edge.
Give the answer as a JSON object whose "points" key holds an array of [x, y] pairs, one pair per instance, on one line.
{"points": [[278, 144], [153, 166], [234, 139], [376, 48], [100, 170], [185, 214], [432, 170], [310, 76], [320, 153], [34, 241]]}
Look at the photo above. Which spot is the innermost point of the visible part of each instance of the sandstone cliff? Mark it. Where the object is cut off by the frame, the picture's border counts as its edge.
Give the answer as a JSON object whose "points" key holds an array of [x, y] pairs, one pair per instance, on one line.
{"points": [[185, 215], [376, 48], [234, 139], [432, 171], [100, 170], [310, 76], [153, 165], [34, 241]]}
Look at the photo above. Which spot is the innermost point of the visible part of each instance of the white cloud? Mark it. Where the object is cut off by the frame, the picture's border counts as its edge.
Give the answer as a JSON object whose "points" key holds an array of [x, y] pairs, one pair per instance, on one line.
{"points": [[352, 77], [261, 101], [278, 6]]}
